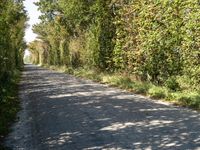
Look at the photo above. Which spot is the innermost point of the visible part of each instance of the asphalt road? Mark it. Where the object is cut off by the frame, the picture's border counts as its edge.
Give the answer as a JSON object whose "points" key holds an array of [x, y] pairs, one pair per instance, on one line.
{"points": [[61, 112]]}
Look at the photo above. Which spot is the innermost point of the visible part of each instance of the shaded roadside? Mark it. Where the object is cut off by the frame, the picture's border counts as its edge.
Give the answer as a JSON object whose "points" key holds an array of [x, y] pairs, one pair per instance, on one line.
{"points": [[63, 112]]}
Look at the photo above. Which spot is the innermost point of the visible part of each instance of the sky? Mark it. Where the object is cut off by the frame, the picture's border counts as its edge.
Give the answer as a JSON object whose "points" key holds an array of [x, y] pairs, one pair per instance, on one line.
{"points": [[33, 14]]}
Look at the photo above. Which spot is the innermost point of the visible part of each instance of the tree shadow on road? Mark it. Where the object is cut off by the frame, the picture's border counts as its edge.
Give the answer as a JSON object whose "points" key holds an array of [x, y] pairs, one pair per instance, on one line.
{"points": [[69, 113]]}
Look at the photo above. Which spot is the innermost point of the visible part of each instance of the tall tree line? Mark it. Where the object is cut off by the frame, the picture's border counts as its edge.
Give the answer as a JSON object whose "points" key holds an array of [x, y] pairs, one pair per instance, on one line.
{"points": [[153, 40], [12, 27]]}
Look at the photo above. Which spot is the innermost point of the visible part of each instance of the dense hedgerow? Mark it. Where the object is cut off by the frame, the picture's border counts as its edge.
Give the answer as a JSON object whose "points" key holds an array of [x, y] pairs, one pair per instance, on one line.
{"points": [[153, 40], [159, 39], [12, 29], [12, 45], [12, 26]]}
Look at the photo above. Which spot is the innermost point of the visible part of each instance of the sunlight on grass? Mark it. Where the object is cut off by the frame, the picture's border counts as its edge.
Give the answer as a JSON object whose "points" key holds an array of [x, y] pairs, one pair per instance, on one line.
{"points": [[157, 92], [180, 97]]}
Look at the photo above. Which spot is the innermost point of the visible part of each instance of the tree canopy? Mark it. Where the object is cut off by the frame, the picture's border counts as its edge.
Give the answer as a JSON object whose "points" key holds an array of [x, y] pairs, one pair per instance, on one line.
{"points": [[154, 40], [12, 45]]}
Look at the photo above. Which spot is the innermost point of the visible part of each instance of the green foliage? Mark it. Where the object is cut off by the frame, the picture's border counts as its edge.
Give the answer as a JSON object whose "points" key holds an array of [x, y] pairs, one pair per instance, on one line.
{"points": [[141, 88], [12, 27], [155, 41], [72, 20], [157, 92], [181, 97], [190, 99], [12, 45], [191, 42], [186, 98], [92, 47], [87, 73], [172, 84], [9, 104], [118, 80], [148, 41]]}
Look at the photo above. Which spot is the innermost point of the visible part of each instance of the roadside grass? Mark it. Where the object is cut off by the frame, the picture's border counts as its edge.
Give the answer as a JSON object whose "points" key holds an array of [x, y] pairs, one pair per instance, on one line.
{"points": [[89, 74], [9, 106], [181, 97], [187, 99], [157, 92]]}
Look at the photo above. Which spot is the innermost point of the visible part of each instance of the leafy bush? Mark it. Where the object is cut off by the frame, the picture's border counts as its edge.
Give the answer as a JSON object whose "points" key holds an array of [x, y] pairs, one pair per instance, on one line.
{"points": [[191, 99], [155, 41], [161, 44], [172, 84]]}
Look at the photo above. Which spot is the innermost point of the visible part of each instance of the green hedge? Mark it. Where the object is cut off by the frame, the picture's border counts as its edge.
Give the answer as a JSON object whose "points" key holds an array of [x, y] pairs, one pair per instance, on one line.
{"points": [[158, 39], [154, 40]]}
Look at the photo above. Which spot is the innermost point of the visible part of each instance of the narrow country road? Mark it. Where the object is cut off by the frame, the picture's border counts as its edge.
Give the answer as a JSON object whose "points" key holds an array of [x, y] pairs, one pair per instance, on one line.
{"points": [[61, 112]]}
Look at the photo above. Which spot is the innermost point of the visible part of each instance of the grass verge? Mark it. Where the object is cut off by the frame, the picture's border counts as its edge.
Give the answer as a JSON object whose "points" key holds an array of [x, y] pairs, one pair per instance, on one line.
{"points": [[9, 106], [186, 98]]}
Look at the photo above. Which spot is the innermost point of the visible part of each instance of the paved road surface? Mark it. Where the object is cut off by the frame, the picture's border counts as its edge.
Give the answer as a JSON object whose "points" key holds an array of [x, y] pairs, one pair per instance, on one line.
{"points": [[61, 112]]}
